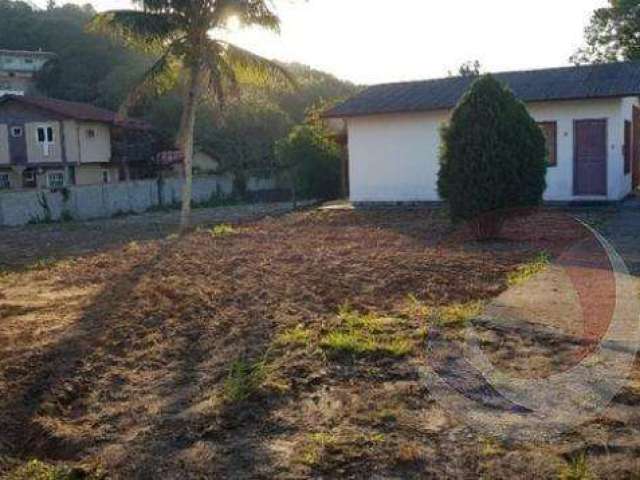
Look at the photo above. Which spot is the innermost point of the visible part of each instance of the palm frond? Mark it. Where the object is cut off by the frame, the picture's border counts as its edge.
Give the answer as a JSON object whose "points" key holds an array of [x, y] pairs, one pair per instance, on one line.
{"points": [[160, 78], [254, 69], [258, 13], [140, 28], [222, 78]]}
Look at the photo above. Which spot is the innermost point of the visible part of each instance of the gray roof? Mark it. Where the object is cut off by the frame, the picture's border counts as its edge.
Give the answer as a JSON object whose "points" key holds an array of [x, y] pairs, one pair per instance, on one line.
{"points": [[567, 83]]}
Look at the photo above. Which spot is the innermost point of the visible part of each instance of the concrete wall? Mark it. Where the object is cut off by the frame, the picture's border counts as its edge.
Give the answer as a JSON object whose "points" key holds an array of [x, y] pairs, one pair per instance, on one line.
{"points": [[100, 201], [394, 158]]}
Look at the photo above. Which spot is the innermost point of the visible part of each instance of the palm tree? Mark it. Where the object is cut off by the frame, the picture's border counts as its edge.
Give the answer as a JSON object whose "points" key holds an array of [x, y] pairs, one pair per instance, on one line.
{"points": [[183, 33]]}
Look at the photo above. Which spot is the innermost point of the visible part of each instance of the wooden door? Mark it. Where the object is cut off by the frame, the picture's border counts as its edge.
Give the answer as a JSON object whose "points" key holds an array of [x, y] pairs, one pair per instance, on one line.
{"points": [[590, 157], [635, 152]]}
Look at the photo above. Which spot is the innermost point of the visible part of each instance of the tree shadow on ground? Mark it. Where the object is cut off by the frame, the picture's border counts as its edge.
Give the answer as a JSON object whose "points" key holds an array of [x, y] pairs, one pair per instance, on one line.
{"points": [[136, 392]]}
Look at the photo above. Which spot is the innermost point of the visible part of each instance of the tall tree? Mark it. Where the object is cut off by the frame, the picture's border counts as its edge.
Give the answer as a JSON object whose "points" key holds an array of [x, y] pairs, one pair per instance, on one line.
{"points": [[613, 34], [182, 32]]}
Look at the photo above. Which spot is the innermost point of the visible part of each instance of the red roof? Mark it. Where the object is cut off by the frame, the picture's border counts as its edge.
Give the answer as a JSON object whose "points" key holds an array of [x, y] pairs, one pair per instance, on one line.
{"points": [[78, 111]]}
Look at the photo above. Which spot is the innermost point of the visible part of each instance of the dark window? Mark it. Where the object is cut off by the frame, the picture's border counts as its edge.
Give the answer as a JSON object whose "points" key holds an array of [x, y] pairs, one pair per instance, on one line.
{"points": [[45, 134], [550, 132], [16, 132], [627, 147], [5, 183], [91, 133], [55, 179]]}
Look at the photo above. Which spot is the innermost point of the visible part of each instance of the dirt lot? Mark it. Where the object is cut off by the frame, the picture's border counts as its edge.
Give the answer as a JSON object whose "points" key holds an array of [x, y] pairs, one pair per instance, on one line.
{"points": [[281, 348]]}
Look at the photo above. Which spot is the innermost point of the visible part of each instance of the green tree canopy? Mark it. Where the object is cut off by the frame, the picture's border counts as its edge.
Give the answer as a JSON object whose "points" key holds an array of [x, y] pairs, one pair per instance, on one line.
{"points": [[493, 155], [102, 71], [312, 159], [613, 34]]}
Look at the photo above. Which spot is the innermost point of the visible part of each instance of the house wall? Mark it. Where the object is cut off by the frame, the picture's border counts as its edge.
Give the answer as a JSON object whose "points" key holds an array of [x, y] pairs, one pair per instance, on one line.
{"points": [[35, 152], [14, 178], [560, 178], [4, 144], [92, 174], [394, 158], [27, 117], [95, 149], [627, 114], [71, 141]]}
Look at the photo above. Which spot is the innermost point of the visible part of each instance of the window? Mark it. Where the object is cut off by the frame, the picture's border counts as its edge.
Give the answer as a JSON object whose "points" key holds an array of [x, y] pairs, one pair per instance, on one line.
{"points": [[28, 60], [627, 147], [55, 179], [16, 132], [44, 135], [550, 132], [4, 181], [91, 133], [106, 176]]}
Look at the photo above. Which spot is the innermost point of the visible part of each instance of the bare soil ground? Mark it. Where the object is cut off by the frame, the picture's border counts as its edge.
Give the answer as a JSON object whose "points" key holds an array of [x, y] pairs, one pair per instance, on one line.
{"points": [[282, 348]]}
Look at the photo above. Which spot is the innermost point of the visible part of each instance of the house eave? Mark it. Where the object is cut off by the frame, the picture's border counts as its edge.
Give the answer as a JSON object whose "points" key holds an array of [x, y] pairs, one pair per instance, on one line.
{"points": [[346, 116]]}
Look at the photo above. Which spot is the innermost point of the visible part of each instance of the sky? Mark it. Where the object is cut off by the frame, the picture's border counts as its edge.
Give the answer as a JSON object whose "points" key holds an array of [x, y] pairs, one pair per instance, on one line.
{"points": [[376, 41]]}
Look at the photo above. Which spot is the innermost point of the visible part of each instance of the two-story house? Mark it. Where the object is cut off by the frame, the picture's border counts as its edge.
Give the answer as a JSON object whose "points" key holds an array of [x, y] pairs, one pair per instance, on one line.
{"points": [[18, 69], [48, 143]]}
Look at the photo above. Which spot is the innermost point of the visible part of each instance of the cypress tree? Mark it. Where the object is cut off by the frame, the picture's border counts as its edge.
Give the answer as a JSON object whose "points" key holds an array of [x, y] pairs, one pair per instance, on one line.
{"points": [[492, 159]]}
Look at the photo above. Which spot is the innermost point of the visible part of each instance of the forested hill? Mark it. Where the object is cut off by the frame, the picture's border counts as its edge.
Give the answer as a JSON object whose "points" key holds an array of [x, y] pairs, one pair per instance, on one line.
{"points": [[94, 69]]}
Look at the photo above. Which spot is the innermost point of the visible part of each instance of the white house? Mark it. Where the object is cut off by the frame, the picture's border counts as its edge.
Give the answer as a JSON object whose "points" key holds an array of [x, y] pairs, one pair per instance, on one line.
{"points": [[18, 69], [590, 116]]}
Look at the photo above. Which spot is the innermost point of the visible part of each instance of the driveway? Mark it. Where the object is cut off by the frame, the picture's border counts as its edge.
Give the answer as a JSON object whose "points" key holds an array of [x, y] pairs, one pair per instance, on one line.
{"points": [[557, 350]]}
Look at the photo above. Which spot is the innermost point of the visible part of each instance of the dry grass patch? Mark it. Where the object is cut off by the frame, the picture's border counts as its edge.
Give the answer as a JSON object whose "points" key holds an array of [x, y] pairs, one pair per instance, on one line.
{"points": [[193, 341], [325, 451], [524, 272], [410, 454]]}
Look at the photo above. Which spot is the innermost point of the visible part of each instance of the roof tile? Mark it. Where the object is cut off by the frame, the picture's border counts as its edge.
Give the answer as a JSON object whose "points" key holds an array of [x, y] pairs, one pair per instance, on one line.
{"points": [[567, 83]]}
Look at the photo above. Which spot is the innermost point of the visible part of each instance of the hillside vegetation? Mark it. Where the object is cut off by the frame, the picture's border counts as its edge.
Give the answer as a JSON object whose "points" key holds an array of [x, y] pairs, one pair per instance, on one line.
{"points": [[98, 70]]}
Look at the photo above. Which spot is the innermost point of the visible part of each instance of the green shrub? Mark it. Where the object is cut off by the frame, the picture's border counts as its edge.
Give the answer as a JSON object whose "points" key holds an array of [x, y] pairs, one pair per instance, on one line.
{"points": [[37, 470], [314, 160], [576, 469], [222, 230], [493, 157], [244, 380]]}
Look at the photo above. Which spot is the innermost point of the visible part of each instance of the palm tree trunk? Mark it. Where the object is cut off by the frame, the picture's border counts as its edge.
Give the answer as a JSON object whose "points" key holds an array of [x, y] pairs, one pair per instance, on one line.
{"points": [[185, 140]]}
